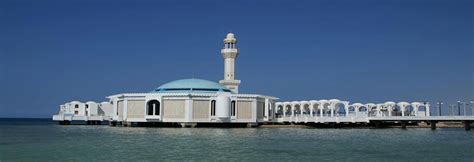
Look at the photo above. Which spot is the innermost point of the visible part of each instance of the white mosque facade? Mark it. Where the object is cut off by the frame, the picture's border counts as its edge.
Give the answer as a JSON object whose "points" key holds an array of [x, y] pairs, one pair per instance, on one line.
{"points": [[191, 102], [186, 102]]}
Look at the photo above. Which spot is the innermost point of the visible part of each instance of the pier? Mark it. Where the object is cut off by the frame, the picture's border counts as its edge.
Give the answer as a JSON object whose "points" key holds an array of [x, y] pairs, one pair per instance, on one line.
{"points": [[378, 121], [324, 113], [307, 119], [335, 111], [67, 119]]}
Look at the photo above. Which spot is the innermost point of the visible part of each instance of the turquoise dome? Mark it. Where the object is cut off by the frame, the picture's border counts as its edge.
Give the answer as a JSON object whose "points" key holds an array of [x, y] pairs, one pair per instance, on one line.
{"points": [[191, 85]]}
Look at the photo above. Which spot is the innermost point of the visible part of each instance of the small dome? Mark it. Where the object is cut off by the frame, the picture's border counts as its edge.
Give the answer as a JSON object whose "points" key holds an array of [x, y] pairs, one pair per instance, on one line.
{"points": [[230, 36], [191, 85]]}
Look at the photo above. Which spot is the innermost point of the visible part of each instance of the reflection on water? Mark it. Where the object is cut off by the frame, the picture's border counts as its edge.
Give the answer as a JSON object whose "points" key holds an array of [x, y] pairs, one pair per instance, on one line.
{"points": [[79, 142]]}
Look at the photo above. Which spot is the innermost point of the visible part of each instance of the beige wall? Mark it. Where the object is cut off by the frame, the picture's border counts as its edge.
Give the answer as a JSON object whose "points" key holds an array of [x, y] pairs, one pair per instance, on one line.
{"points": [[244, 109], [173, 109], [120, 108], [136, 109], [200, 109]]}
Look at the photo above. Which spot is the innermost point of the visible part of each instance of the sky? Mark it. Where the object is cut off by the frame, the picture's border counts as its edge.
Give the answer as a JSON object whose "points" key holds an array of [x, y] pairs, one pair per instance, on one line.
{"points": [[53, 52]]}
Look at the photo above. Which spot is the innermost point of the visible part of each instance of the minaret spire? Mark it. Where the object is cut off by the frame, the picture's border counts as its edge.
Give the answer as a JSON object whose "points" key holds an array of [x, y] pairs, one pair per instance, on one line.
{"points": [[230, 53]]}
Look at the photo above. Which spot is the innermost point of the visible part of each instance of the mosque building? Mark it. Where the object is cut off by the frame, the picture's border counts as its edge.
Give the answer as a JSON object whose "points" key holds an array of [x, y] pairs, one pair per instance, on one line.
{"points": [[185, 102], [198, 102]]}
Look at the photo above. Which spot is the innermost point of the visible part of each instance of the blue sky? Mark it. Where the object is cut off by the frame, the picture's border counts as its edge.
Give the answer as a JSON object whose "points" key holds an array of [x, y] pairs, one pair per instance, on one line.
{"points": [[52, 52]]}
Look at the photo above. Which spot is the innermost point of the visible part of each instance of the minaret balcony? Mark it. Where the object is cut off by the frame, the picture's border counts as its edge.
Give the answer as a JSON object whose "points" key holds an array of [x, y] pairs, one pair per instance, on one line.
{"points": [[229, 53], [230, 50]]}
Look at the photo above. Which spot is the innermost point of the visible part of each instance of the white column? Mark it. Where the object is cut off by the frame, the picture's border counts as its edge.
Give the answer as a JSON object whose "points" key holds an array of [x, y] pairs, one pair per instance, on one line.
{"points": [[320, 110], [346, 107], [389, 110], [125, 110], [254, 110], [292, 110], [115, 108], [403, 110], [311, 110], [301, 110], [356, 110], [416, 110], [266, 108], [377, 110], [368, 111], [332, 110], [188, 110], [427, 109], [284, 110]]}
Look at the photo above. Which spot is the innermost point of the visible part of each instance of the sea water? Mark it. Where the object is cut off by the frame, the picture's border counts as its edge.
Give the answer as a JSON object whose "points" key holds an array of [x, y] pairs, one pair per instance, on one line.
{"points": [[44, 140]]}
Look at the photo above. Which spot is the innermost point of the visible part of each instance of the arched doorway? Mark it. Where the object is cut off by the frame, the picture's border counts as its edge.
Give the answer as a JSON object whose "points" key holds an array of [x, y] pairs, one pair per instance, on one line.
{"points": [[421, 110], [316, 110], [339, 109], [297, 110], [397, 110], [363, 110], [288, 110], [307, 110], [279, 112], [232, 108], [409, 111], [153, 107], [326, 109], [372, 110], [352, 110], [213, 108]]}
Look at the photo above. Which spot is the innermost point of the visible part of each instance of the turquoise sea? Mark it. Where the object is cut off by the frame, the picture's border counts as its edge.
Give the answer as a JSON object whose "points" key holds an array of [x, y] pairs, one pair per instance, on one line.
{"points": [[43, 140]]}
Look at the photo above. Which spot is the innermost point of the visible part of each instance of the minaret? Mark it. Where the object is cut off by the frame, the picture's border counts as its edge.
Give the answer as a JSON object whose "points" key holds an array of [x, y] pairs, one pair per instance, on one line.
{"points": [[230, 53]]}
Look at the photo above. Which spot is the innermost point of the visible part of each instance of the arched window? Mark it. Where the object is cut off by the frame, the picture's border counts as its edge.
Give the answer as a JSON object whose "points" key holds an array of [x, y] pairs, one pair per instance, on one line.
{"points": [[76, 106], [213, 108], [149, 109], [232, 108], [153, 107]]}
